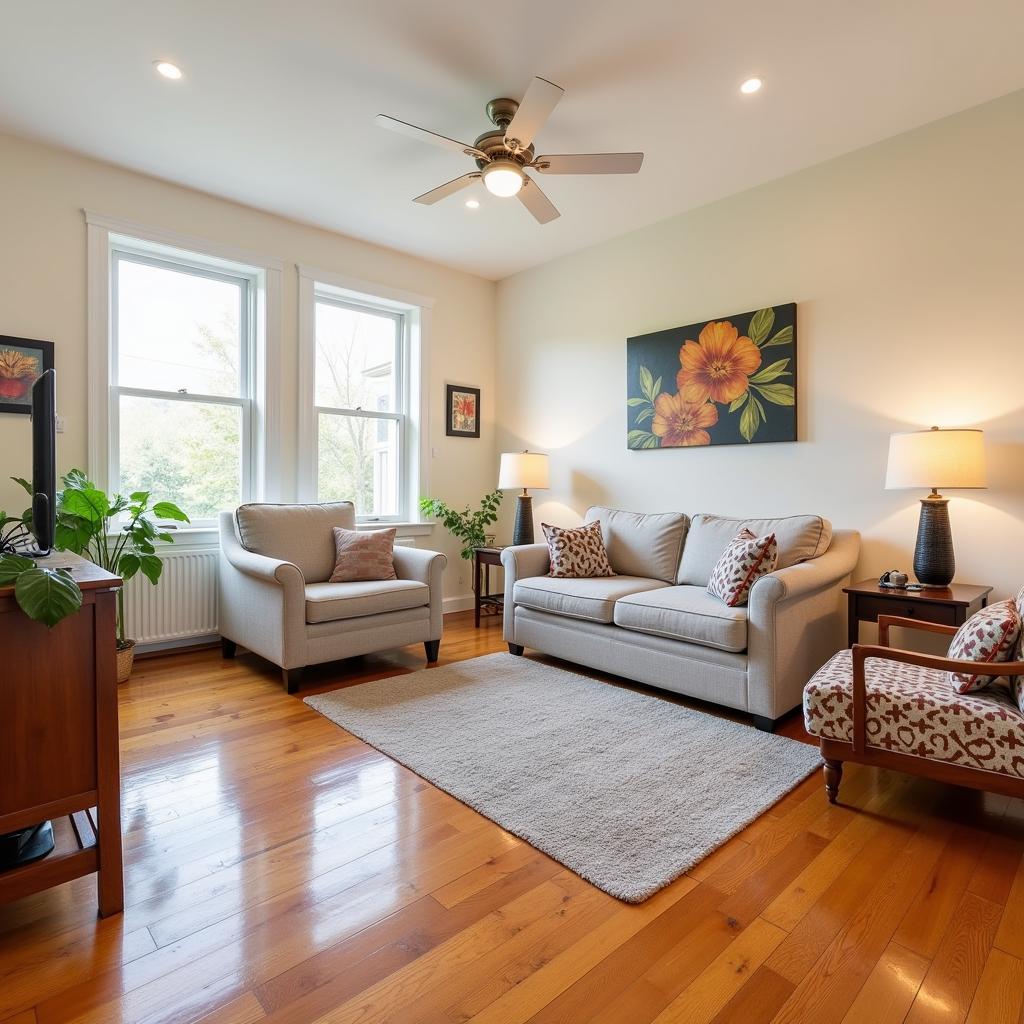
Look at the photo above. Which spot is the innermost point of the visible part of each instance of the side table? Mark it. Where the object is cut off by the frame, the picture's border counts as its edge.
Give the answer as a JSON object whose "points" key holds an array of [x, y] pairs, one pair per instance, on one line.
{"points": [[483, 559], [948, 606]]}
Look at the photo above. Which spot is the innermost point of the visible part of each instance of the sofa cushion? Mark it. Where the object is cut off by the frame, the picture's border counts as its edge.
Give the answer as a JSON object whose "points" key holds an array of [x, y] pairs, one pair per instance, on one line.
{"points": [[300, 534], [684, 613], [913, 710], [638, 544], [592, 598], [799, 538], [329, 602]]}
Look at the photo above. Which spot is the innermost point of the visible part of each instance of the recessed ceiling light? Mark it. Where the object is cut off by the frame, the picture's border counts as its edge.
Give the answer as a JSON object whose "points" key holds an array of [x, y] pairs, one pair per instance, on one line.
{"points": [[751, 85], [167, 69], [472, 204]]}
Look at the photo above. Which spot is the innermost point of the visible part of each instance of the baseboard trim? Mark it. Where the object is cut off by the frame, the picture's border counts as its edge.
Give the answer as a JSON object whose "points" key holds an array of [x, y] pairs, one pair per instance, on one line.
{"points": [[457, 604]]}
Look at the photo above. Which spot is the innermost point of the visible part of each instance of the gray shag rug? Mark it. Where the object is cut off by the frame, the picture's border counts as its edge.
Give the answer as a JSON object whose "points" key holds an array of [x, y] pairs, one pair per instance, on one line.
{"points": [[626, 789]]}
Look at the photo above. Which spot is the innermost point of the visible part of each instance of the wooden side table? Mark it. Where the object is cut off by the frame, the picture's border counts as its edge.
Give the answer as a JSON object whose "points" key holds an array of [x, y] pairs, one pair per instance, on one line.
{"points": [[483, 559], [949, 606]]}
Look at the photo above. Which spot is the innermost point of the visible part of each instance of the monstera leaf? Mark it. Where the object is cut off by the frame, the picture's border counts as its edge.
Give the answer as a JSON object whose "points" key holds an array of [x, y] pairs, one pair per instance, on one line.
{"points": [[45, 595]]}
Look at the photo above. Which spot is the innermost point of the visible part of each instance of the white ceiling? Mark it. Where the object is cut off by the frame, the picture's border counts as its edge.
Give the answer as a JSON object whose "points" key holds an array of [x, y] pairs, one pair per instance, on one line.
{"points": [[276, 109]]}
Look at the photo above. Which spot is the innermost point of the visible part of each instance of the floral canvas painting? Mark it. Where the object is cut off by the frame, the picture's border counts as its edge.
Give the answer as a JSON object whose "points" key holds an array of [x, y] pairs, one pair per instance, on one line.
{"points": [[22, 361], [463, 411], [725, 381]]}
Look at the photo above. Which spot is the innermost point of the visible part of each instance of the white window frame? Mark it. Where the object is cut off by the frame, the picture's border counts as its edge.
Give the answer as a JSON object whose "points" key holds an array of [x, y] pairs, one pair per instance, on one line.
{"points": [[412, 366], [260, 364]]}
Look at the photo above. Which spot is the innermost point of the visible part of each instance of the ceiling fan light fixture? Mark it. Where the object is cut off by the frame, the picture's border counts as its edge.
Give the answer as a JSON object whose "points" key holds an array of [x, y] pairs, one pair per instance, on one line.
{"points": [[750, 86], [503, 178], [168, 70]]}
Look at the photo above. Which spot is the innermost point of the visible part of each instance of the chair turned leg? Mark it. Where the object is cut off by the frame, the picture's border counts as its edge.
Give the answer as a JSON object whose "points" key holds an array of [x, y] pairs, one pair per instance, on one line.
{"points": [[516, 649], [292, 678], [228, 648], [833, 776], [433, 648]]}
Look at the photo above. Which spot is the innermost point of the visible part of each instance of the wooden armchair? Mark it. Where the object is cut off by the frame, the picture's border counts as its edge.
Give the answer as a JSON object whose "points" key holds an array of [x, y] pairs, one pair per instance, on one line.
{"points": [[896, 709]]}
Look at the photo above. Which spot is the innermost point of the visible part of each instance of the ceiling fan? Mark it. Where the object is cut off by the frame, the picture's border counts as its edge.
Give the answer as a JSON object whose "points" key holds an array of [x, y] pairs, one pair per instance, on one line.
{"points": [[503, 154]]}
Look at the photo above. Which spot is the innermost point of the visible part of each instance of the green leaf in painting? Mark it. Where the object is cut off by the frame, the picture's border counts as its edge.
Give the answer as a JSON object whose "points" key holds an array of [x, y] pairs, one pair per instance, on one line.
{"points": [[760, 325], [650, 442], [636, 400], [770, 373], [640, 439], [738, 402], [47, 595], [750, 420], [647, 383], [782, 337], [656, 389], [780, 394], [647, 414], [762, 415]]}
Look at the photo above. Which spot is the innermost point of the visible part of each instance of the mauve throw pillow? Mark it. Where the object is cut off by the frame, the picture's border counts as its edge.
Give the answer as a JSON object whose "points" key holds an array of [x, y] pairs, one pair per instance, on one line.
{"points": [[363, 555]]}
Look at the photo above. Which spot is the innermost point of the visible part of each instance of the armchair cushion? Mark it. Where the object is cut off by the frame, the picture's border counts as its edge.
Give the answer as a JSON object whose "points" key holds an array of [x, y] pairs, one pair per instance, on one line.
{"points": [[300, 534], [330, 602], [913, 710]]}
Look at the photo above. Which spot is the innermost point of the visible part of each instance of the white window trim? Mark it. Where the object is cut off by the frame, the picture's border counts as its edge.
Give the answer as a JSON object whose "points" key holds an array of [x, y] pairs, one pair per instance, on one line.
{"points": [[102, 231], [416, 310]]}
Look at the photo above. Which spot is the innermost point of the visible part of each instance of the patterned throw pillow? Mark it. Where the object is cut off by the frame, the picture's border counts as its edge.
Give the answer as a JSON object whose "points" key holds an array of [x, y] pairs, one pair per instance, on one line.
{"points": [[988, 635], [577, 553], [744, 561], [363, 555]]}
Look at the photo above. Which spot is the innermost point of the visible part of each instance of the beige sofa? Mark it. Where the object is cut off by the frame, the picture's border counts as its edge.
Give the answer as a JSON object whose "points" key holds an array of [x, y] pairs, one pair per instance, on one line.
{"points": [[275, 561], [655, 622]]}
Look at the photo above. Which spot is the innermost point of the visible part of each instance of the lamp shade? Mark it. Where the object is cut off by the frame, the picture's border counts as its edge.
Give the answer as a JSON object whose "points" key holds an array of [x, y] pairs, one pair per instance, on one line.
{"points": [[523, 469], [936, 458]]}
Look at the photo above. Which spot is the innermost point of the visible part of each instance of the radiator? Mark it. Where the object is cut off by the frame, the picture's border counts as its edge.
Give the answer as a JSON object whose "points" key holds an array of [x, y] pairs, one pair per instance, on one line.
{"points": [[181, 608]]}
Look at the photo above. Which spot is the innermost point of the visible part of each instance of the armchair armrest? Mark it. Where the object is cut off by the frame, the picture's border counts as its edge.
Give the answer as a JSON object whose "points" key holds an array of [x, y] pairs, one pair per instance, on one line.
{"points": [[886, 621], [519, 563], [425, 567], [261, 567], [861, 653]]}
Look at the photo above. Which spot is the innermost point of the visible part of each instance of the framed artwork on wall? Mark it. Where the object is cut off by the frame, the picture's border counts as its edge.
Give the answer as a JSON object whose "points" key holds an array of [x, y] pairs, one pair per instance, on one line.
{"points": [[22, 361], [725, 381], [462, 411]]}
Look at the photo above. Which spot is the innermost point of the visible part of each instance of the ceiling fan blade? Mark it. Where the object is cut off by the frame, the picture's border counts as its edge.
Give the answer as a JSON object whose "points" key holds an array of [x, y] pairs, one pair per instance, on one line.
{"points": [[531, 196], [541, 98], [414, 132], [449, 188], [589, 163]]}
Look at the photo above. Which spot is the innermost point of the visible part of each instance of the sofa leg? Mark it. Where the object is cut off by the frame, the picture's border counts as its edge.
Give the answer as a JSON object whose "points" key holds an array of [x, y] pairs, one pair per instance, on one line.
{"points": [[516, 649], [763, 723], [433, 648], [228, 648], [292, 679], [833, 776]]}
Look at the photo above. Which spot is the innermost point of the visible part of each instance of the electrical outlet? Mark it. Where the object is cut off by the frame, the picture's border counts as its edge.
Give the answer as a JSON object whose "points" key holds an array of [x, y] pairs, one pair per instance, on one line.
{"points": [[59, 424]]}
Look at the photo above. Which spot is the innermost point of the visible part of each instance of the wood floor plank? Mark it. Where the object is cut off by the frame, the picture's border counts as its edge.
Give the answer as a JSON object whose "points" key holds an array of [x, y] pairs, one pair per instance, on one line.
{"points": [[891, 988], [281, 871]]}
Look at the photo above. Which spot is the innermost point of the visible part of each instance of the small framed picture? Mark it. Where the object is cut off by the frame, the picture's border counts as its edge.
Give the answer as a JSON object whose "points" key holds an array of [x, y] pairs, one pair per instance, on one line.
{"points": [[22, 362], [462, 411]]}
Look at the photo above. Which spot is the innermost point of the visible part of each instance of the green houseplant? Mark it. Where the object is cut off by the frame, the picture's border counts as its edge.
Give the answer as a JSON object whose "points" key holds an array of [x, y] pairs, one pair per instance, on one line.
{"points": [[116, 533], [469, 525], [46, 595]]}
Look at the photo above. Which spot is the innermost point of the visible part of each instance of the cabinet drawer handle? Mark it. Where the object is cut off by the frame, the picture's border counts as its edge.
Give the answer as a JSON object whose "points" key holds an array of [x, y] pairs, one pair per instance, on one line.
{"points": [[911, 612]]}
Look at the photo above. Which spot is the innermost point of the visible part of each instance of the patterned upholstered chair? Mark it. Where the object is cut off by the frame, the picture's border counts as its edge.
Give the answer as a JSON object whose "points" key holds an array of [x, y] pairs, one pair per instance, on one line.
{"points": [[897, 709]]}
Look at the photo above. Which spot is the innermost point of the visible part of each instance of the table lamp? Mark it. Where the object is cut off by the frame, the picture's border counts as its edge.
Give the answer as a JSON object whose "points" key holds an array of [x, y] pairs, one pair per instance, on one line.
{"points": [[523, 469], [935, 458]]}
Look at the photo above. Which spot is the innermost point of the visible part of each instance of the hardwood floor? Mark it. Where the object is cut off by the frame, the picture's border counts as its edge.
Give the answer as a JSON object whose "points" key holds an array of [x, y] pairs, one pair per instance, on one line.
{"points": [[279, 870]]}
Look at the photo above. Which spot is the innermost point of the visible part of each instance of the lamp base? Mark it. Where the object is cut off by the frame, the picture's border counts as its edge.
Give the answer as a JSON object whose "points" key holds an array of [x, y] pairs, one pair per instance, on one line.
{"points": [[522, 532], [934, 564]]}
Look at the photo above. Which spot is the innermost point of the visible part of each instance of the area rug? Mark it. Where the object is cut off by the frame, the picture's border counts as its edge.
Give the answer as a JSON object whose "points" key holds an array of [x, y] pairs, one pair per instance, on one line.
{"points": [[625, 788]]}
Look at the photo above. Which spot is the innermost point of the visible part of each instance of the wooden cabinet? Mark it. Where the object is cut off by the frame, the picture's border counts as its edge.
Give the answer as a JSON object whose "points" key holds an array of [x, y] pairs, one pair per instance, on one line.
{"points": [[59, 740]]}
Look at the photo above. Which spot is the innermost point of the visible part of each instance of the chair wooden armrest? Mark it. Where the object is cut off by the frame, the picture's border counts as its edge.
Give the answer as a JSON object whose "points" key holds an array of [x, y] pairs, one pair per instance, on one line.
{"points": [[861, 653], [886, 621]]}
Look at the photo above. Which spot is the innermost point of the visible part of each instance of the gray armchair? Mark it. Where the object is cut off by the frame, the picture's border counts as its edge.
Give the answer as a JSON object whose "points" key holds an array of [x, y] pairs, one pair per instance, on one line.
{"points": [[275, 561]]}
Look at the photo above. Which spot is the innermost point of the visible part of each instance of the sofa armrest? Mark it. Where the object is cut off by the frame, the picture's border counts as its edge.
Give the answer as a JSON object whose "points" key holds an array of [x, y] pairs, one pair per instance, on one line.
{"points": [[425, 567], [795, 624], [519, 563]]}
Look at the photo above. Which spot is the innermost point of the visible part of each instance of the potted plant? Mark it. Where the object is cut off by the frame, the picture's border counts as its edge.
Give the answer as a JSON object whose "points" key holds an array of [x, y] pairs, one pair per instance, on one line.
{"points": [[468, 526], [89, 524], [45, 595]]}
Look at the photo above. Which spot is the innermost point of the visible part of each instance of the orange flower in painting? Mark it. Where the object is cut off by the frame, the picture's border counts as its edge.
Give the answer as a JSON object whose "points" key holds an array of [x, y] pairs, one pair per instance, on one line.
{"points": [[717, 367], [681, 424]]}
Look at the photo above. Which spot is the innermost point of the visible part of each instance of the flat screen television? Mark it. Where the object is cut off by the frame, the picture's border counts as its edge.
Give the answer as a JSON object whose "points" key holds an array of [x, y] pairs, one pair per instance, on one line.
{"points": [[44, 460]]}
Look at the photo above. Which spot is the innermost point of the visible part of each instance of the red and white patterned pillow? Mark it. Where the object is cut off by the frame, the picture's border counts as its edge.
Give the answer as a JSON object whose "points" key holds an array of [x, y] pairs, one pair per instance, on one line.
{"points": [[577, 553], [746, 559], [988, 635], [363, 555]]}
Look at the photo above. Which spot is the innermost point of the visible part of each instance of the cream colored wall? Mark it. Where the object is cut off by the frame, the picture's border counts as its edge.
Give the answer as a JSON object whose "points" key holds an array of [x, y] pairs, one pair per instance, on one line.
{"points": [[43, 289], [907, 263]]}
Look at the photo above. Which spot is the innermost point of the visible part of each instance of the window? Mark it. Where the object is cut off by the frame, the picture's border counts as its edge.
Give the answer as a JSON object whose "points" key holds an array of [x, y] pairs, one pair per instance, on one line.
{"points": [[180, 388], [361, 391]]}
